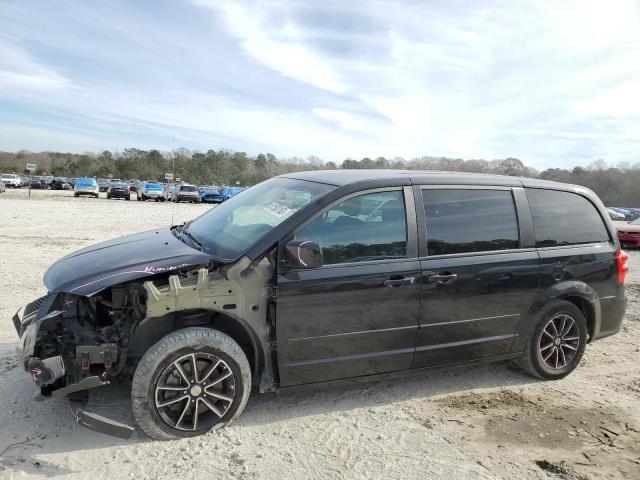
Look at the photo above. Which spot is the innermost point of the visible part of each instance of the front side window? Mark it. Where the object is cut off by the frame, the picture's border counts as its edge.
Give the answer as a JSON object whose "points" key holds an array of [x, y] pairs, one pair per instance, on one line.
{"points": [[564, 218], [469, 220], [362, 228]]}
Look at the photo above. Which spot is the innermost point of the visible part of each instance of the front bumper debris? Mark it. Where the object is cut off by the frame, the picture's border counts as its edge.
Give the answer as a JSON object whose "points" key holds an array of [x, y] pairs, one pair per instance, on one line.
{"points": [[84, 384], [101, 424]]}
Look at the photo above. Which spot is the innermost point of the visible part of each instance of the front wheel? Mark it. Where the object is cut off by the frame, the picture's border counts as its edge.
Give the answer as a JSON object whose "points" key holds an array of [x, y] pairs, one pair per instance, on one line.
{"points": [[192, 381], [557, 343]]}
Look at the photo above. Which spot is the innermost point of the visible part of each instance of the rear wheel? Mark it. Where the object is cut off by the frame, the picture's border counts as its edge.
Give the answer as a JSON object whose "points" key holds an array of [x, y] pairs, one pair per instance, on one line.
{"points": [[557, 343], [192, 381]]}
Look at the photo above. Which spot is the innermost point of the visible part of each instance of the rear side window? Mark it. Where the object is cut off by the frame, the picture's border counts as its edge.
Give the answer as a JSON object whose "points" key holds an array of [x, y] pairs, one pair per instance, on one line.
{"points": [[564, 218], [469, 220]]}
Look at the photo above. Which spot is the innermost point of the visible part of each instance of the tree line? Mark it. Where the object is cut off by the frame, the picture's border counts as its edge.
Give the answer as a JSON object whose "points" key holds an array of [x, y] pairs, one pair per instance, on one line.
{"points": [[616, 185]]}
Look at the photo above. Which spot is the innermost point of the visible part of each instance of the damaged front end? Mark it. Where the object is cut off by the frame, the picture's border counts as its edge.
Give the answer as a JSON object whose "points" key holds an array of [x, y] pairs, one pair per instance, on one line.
{"points": [[68, 338], [73, 343]]}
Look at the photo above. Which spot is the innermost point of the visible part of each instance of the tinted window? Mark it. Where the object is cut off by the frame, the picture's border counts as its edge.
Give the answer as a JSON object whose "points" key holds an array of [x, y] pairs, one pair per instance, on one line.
{"points": [[564, 218], [362, 228], [188, 188], [470, 220]]}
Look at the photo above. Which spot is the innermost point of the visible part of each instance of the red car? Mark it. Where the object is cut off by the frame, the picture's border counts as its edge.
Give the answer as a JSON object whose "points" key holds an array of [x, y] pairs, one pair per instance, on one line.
{"points": [[629, 234]]}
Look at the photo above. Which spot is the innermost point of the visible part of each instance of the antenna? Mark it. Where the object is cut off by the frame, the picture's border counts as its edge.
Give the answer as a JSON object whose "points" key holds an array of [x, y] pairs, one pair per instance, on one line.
{"points": [[173, 173]]}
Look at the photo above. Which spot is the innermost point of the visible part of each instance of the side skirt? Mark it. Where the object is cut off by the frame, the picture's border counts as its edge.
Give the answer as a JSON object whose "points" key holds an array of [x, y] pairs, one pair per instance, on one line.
{"points": [[392, 375]]}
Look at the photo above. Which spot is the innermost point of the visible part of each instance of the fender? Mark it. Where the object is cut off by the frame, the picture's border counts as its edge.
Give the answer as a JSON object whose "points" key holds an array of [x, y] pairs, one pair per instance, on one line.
{"points": [[565, 289], [242, 293]]}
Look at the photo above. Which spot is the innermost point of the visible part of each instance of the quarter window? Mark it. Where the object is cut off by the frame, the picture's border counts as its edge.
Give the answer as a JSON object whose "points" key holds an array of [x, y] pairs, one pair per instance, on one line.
{"points": [[362, 228], [469, 220], [564, 218]]}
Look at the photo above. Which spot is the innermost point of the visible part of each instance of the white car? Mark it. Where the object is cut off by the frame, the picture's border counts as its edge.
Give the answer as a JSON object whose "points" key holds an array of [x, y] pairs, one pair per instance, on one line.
{"points": [[615, 215], [150, 191], [11, 180]]}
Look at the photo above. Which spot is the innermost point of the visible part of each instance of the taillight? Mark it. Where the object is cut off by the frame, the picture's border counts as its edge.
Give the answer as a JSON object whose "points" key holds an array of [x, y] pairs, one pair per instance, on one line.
{"points": [[623, 266]]}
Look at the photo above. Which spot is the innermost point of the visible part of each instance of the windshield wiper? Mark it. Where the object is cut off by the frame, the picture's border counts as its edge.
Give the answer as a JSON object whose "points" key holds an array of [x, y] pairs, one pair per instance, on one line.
{"points": [[184, 231]]}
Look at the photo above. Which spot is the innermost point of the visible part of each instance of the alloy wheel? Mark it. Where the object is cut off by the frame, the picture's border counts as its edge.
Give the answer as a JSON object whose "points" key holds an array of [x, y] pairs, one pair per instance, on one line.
{"points": [[559, 342], [194, 392]]}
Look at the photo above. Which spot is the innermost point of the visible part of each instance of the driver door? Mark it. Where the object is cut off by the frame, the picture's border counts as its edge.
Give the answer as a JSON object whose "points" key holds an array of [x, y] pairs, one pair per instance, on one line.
{"points": [[358, 313]]}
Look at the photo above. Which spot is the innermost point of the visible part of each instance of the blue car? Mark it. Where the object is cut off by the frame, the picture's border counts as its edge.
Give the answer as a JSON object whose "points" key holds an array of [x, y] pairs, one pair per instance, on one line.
{"points": [[219, 194]]}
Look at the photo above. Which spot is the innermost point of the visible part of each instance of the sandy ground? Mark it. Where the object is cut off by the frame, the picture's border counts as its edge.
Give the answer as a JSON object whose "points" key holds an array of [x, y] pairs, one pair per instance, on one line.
{"points": [[486, 421]]}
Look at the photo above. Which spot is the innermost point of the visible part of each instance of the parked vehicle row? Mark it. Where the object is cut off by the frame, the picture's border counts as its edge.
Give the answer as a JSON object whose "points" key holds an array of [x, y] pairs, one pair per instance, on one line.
{"points": [[116, 188], [629, 214], [14, 180]]}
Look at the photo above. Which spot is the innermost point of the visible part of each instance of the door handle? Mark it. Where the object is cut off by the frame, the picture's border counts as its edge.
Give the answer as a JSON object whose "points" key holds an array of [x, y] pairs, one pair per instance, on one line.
{"points": [[443, 278], [398, 282]]}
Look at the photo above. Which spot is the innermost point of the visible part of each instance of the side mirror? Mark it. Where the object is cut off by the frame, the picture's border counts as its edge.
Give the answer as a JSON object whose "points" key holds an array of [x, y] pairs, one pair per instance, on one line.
{"points": [[303, 254]]}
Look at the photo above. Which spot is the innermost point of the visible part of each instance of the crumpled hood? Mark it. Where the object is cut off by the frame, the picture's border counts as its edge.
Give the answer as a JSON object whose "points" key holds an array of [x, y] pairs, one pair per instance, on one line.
{"points": [[127, 258]]}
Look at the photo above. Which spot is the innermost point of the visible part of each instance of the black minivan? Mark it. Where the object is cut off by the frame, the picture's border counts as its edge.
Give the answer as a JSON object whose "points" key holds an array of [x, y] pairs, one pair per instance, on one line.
{"points": [[326, 275]]}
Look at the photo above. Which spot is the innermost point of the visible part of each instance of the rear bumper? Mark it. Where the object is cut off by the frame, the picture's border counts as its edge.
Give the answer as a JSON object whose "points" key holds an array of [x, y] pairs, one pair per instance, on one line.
{"points": [[612, 313], [119, 194]]}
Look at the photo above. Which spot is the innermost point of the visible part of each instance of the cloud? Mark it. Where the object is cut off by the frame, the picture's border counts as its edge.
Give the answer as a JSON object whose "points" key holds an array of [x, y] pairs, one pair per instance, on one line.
{"points": [[552, 84], [19, 71]]}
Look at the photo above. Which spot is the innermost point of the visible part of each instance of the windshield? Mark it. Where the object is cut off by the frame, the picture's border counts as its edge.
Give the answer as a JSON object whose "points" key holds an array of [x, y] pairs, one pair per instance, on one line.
{"points": [[85, 181], [231, 228], [188, 188], [154, 186]]}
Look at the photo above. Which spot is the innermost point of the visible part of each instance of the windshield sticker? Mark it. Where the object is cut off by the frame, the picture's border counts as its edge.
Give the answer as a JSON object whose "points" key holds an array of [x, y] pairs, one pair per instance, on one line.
{"points": [[277, 209]]}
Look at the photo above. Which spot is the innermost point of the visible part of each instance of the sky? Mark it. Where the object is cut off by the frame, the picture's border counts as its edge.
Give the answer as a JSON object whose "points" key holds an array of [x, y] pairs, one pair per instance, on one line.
{"points": [[553, 83]]}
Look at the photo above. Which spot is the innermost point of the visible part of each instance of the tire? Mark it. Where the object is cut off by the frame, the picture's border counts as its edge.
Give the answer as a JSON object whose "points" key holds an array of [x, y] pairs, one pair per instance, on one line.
{"points": [[210, 347], [572, 347], [76, 195], [128, 197]]}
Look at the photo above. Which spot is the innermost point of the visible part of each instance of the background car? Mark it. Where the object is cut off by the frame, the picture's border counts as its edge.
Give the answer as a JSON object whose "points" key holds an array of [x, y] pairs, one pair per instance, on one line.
{"points": [[38, 182], [134, 185], [86, 186], [118, 189], [11, 180], [60, 183], [150, 191], [228, 192], [614, 215], [630, 214], [169, 189], [629, 234], [103, 184], [211, 194], [186, 193]]}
